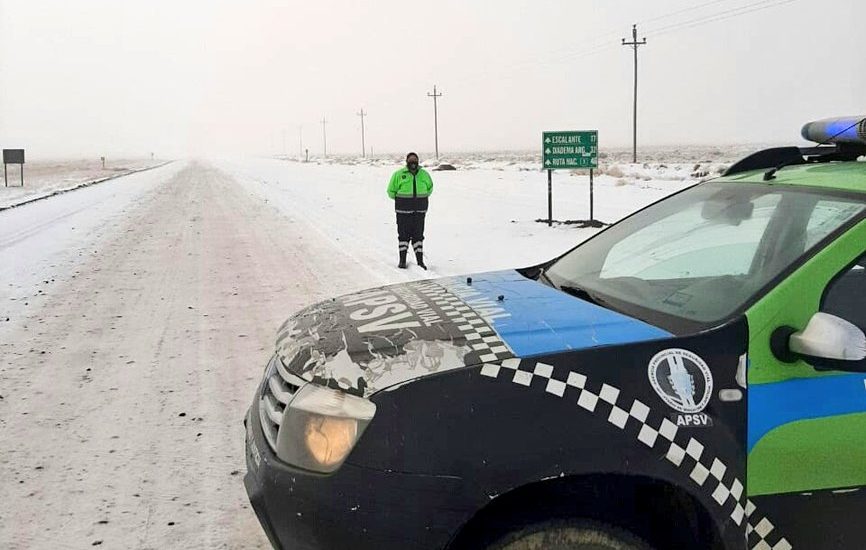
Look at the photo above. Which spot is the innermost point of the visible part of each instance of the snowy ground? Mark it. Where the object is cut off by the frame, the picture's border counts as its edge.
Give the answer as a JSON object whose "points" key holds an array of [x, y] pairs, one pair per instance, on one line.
{"points": [[664, 163], [482, 216], [136, 317], [44, 177]]}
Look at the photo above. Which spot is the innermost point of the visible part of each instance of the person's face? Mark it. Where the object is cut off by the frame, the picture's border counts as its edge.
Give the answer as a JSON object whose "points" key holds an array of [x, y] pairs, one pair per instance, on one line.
{"points": [[412, 163]]}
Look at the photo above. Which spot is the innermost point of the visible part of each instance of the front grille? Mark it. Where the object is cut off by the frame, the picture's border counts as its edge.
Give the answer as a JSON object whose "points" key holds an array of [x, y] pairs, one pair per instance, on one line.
{"points": [[279, 388]]}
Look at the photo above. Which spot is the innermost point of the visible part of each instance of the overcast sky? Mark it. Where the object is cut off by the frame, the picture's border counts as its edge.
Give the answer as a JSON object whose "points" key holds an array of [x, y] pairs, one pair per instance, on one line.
{"points": [[188, 77]]}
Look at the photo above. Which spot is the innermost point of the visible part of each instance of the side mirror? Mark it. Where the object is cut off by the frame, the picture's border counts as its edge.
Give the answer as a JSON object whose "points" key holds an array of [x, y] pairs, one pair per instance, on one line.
{"points": [[827, 342], [829, 337]]}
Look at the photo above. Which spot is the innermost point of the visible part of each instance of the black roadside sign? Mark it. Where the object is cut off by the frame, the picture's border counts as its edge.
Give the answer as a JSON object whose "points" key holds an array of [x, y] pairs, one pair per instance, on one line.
{"points": [[13, 156]]}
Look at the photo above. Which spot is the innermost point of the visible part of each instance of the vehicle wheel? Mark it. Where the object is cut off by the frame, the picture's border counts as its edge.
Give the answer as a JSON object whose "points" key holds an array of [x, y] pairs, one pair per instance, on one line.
{"points": [[569, 535]]}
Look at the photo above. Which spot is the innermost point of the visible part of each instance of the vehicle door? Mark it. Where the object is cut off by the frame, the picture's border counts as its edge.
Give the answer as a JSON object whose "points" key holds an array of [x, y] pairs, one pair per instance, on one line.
{"points": [[806, 467]]}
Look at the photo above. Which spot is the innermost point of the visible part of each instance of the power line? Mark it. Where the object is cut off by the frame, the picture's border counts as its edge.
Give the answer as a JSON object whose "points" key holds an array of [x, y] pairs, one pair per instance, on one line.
{"points": [[720, 16], [678, 12], [599, 42], [690, 23], [682, 25], [732, 10], [591, 48], [588, 47]]}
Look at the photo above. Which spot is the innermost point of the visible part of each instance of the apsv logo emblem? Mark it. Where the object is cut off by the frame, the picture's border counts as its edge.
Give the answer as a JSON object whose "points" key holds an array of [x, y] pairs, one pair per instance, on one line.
{"points": [[682, 379]]}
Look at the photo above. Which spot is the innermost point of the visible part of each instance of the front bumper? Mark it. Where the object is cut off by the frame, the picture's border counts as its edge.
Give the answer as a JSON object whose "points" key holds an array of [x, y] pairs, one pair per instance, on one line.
{"points": [[355, 507]]}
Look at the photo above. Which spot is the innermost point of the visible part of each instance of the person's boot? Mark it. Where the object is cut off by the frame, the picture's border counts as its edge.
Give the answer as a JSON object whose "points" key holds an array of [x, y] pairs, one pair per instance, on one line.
{"points": [[419, 258], [402, 264]]}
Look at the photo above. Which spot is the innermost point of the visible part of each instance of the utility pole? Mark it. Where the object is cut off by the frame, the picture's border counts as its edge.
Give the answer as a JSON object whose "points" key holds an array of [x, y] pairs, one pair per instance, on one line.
{"points": [[634, 44], [362, 114], [324, 139], [301, 141], [284, 142], [435, 96]]}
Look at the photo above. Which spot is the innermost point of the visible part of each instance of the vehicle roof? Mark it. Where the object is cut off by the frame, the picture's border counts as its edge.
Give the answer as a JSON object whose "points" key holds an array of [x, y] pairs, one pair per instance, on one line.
{"points": [[843, 176]]}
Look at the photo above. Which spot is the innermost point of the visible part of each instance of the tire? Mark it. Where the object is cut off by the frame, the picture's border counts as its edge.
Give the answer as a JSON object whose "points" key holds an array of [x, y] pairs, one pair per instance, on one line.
{"points": [[569, 535]]}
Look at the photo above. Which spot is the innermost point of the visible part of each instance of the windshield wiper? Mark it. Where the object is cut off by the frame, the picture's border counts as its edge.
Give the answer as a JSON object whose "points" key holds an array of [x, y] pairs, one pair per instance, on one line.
{"points": [[770, 174], [543, 275], [578, 292]]}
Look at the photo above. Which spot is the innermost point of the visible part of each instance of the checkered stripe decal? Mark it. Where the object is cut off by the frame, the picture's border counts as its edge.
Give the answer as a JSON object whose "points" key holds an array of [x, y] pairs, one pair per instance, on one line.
{"points": [[683, 451], [762, 532], [480, 337]]}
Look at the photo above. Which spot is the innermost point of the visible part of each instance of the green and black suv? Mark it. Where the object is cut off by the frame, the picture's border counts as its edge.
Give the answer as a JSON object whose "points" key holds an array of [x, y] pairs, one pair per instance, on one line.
{"points": [[693, 376]]}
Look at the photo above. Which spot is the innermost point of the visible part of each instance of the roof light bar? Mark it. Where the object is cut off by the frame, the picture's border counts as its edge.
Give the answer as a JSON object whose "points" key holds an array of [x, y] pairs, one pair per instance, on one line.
{"points": [[849, 129]]}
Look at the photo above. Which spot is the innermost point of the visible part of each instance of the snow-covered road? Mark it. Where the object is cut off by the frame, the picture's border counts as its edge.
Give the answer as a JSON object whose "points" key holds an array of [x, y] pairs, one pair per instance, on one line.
{"points": [[136, 319]]}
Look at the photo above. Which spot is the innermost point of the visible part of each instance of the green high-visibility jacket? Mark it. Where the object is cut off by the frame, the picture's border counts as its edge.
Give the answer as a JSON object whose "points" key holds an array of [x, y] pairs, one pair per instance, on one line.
{"points": [[406, 185]]}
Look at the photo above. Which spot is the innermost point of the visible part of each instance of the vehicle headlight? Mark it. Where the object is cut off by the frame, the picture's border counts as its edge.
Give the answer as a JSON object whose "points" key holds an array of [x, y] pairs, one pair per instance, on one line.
{"points": [[321, 427], [328, 439]]}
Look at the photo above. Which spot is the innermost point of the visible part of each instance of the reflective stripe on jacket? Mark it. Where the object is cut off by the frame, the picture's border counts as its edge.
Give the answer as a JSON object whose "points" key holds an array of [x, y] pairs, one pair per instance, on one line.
{"points": [[405, 184]]}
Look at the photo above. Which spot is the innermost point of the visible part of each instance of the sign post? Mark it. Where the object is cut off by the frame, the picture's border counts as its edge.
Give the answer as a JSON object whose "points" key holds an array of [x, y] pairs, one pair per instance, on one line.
{"points": [[13, 156], [569, 150], [549, 198]]}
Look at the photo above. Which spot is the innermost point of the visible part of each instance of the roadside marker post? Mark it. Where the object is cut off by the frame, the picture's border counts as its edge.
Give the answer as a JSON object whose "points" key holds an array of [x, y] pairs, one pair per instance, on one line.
{"points": [[569, 150]]}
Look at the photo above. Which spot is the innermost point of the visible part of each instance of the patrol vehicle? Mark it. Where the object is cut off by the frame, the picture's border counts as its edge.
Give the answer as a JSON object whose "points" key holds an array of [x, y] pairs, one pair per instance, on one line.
{"points": [[694, 376]]}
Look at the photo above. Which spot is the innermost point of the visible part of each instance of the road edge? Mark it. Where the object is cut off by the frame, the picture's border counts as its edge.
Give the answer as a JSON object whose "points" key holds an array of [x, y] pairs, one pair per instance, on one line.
{"points": [[81, 186]]}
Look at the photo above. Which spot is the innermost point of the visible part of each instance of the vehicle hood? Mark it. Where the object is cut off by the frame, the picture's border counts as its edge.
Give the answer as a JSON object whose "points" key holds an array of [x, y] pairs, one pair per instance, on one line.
{"points": [[375, 339]]}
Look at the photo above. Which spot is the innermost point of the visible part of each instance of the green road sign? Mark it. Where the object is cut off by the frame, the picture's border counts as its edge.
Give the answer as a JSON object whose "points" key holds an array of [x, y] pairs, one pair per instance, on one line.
{"points": [[574, 149]]}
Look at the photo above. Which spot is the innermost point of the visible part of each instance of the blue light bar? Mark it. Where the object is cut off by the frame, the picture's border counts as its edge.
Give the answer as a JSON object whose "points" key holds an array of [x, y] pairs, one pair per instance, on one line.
{"points": [[849, 129]]}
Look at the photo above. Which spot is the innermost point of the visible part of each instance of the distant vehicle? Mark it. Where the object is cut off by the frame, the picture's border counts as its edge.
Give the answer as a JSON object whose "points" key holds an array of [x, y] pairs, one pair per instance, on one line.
{"points": [[690, 377]]}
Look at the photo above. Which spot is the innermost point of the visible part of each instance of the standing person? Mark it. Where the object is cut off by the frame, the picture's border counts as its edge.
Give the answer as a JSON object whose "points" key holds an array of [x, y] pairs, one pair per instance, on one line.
{"points": [[410, 187]]}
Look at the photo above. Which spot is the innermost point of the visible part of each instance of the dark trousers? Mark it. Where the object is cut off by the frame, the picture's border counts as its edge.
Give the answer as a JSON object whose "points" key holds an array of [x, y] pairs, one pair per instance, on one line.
{"points": [[410, 231]]}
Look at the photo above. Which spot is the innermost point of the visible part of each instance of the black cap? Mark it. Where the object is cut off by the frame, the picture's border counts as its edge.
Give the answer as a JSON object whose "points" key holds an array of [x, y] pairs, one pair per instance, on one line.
{"points": [[411, 155]]}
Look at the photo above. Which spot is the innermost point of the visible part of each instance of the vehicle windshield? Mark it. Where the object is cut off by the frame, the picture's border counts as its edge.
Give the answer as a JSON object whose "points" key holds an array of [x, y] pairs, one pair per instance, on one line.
{"points": [[702, 254]]}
